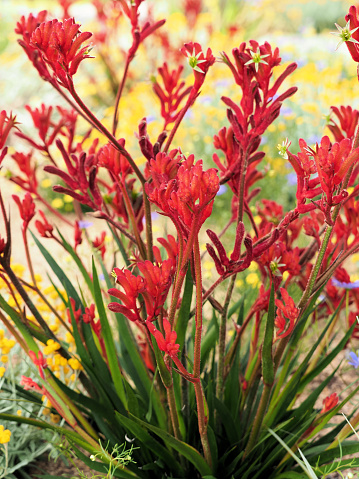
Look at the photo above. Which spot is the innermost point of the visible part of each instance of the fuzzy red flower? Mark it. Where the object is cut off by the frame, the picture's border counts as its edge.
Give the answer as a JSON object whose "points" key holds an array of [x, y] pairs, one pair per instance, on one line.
{"points": [[26, 208], [348, 121], [60, 44], [200, 63], [39, 361], [287, 309], [184, 193], [329, 402], [43, 227], [112, 159], [171, 94], [133, 286], [167, 343]]}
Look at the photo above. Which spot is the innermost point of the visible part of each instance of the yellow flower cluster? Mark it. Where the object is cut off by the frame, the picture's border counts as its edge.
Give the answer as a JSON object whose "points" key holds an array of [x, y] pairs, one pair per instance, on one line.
{"points": [[5, 435], [6, 345]]}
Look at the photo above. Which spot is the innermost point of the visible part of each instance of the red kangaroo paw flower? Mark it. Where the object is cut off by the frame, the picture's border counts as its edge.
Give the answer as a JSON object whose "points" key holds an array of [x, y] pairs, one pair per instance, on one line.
{"points": [[44, 228], [287, 309], [26, 208], [109, 157], [348, 121], [329, 403], [200, 64], [167, 343], [39, 361], [59, 44], [171, 94]]}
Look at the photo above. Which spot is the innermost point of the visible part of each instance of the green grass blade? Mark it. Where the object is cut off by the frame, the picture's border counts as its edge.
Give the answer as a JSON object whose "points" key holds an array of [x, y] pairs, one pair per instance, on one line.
{"points": [[184, 312], [78, 262], [186, 450], [108, 339]]}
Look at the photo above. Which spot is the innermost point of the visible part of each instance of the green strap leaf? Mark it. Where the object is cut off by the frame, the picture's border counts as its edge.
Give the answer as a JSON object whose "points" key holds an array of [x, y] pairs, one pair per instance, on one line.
{"points": [[67, 284], [77, 260], [186, 450], [185, 309], [108, 339], [153, 445], [24, 330], [267, 357]]}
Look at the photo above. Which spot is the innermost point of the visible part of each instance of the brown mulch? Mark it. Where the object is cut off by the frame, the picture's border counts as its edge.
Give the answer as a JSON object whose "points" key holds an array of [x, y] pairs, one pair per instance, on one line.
{"points": [[61, 468]]}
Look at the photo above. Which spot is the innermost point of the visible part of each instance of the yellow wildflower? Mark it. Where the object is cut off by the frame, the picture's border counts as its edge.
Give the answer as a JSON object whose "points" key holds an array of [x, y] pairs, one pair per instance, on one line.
{"points": [[5, 435], [51, 347], [75, 363], [55, 418], [2, 371]]}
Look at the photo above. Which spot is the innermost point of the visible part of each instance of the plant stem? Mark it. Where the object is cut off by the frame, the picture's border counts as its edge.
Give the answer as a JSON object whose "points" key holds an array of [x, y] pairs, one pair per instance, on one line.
{"points": [[131, 214], [222, 340], [258, 419], [173, 412], [202, 419], [108, 135], [118, 97], [148, 219], [175, 126]]}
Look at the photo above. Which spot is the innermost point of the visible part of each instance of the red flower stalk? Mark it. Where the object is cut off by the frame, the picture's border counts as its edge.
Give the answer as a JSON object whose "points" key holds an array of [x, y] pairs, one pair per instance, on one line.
{"points": [[42, 122], [200, 64], [44, 228], [185, 194], [77, 313], [89, 314], [39, 361], [139, 34], [48, 129], [30, 385], [352, 18], [99, 244], [109, 157], [26, 208], [158, 280], [259, 107], [153, 287], [145, 353], [192, 8], [6, 124], [25, 27], [171, 94], [331, 162], [60, 45], [348, 121], [77, 235], [170, 245], [81, 176], [224, 266], [133, 287], [27, 166], [168, 345], [287, 309], [329, 403]]}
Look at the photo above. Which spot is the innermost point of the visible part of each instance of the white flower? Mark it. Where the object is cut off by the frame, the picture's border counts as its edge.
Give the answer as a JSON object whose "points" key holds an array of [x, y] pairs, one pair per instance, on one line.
{"points": [[345, 34], [257, 58], [283, 148]]}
